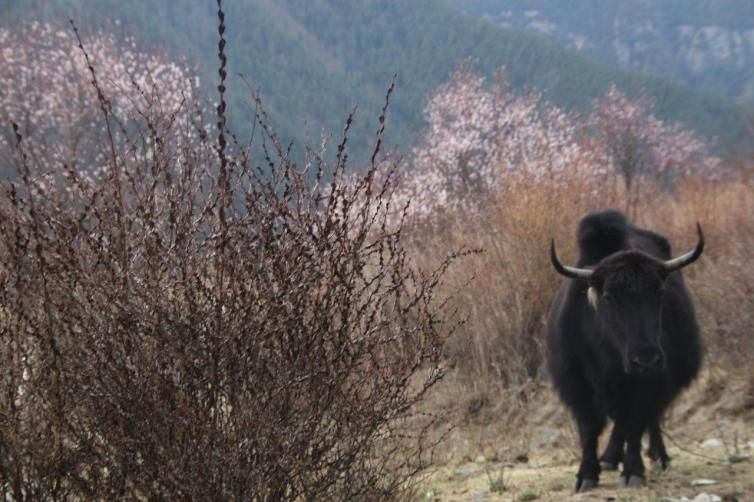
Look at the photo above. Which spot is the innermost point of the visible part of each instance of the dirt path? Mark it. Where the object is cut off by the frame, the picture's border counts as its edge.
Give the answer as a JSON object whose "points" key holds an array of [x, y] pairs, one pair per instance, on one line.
{"points": [[710, 436], [551, 477]]}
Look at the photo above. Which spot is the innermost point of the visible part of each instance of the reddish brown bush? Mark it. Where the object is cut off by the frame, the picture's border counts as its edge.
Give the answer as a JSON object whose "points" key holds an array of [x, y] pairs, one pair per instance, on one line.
{"points": [[194, 326]]}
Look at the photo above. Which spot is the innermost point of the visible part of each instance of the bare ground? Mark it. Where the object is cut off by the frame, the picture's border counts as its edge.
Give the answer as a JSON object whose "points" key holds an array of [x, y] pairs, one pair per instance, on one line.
{"points": [[709, 435]]}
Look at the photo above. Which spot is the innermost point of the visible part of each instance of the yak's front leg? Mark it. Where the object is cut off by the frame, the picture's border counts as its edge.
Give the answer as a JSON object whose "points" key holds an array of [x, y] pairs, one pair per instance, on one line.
{"points": [[590, 425], [633, 466]]}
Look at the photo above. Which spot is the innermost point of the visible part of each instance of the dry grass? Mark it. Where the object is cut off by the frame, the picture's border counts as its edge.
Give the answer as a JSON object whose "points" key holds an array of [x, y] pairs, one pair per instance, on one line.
{"points": [[497, 357]]}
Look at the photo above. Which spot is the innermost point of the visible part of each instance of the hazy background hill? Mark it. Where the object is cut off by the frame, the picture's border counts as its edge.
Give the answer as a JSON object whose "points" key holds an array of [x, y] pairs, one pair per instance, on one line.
{"points": [[313, 60], [707, 44]]}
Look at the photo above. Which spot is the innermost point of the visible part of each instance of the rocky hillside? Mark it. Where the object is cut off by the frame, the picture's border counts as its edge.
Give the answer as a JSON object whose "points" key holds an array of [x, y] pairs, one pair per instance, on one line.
{"points": [[706, 44]]}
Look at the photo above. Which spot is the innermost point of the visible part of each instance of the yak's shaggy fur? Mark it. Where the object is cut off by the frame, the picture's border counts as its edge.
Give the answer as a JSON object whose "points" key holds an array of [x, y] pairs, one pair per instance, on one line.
{"points": [[623, 342]]}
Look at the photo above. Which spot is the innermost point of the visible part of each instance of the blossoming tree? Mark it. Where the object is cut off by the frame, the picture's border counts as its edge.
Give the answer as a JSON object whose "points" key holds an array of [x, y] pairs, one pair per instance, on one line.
{"points": [[48, 92], [480, 138]]}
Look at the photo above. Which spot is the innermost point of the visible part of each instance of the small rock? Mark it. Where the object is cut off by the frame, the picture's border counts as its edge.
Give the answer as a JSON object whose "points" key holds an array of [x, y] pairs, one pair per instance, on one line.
{"points": [[705, 497], [711, 443], [703, 482], [480, 459], [736, 459]]}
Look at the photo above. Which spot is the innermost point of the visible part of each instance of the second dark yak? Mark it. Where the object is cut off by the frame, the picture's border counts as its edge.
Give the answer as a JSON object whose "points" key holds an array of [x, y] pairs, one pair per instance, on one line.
{"points": [[623, 341]]}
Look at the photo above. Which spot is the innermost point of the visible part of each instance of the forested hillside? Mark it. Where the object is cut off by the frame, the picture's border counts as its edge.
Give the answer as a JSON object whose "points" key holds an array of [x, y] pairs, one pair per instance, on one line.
{"points": [[314, 60]]}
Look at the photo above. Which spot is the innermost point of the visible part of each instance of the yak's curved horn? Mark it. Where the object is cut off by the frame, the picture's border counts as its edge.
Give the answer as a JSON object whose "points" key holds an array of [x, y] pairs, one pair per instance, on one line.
{"points": [[681, 261], [572, 272]]}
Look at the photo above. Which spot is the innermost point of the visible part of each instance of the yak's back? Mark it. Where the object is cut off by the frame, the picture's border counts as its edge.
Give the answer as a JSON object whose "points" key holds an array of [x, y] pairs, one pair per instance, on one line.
{"points": [[603, 233]]}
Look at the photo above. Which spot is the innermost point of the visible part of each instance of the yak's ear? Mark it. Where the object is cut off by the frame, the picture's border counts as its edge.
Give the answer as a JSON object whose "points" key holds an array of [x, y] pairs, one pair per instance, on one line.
{"points": [[592, 296], [595, 289]]}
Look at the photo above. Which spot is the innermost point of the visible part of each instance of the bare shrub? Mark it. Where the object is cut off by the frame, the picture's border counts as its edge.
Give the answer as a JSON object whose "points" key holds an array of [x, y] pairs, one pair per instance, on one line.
{"points": [[192, 325]]}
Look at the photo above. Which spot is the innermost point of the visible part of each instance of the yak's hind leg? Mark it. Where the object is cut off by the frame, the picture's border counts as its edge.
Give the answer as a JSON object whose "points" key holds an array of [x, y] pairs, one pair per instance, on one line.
{"points": [[590, 424], [657, 451], [613, 454]]}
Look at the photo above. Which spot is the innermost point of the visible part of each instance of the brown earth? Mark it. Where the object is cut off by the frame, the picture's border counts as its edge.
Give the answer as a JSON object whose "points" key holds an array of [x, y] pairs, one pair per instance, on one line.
{"points": [[539, 456]]}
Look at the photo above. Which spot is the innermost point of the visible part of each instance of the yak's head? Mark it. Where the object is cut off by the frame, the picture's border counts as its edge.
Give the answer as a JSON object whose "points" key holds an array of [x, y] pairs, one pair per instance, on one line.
{"points": [[626, 289]]}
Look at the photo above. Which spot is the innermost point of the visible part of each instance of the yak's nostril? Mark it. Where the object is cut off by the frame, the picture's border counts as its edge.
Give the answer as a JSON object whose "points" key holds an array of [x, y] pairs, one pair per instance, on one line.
{"points": [[646, 358]]}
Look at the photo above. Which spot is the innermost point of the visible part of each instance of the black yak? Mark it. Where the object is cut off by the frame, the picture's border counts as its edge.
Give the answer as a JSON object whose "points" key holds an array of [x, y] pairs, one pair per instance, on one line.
{"points": [[623, 341]]}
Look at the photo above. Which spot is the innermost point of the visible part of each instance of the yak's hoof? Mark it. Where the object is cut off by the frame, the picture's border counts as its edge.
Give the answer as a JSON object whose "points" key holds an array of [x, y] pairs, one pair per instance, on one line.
{"points": [[632, 481], [584, 485], [608, 466], [660, 465]]}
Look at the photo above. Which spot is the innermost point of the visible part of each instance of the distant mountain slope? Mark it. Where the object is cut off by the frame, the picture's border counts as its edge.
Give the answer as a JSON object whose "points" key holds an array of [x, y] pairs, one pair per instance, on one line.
{"points": [[707, 44], [315, 59]]}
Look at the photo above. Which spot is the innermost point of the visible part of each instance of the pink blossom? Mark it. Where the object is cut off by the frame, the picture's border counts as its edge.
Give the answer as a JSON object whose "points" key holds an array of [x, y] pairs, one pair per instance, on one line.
{"points": [[480, 138]]}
